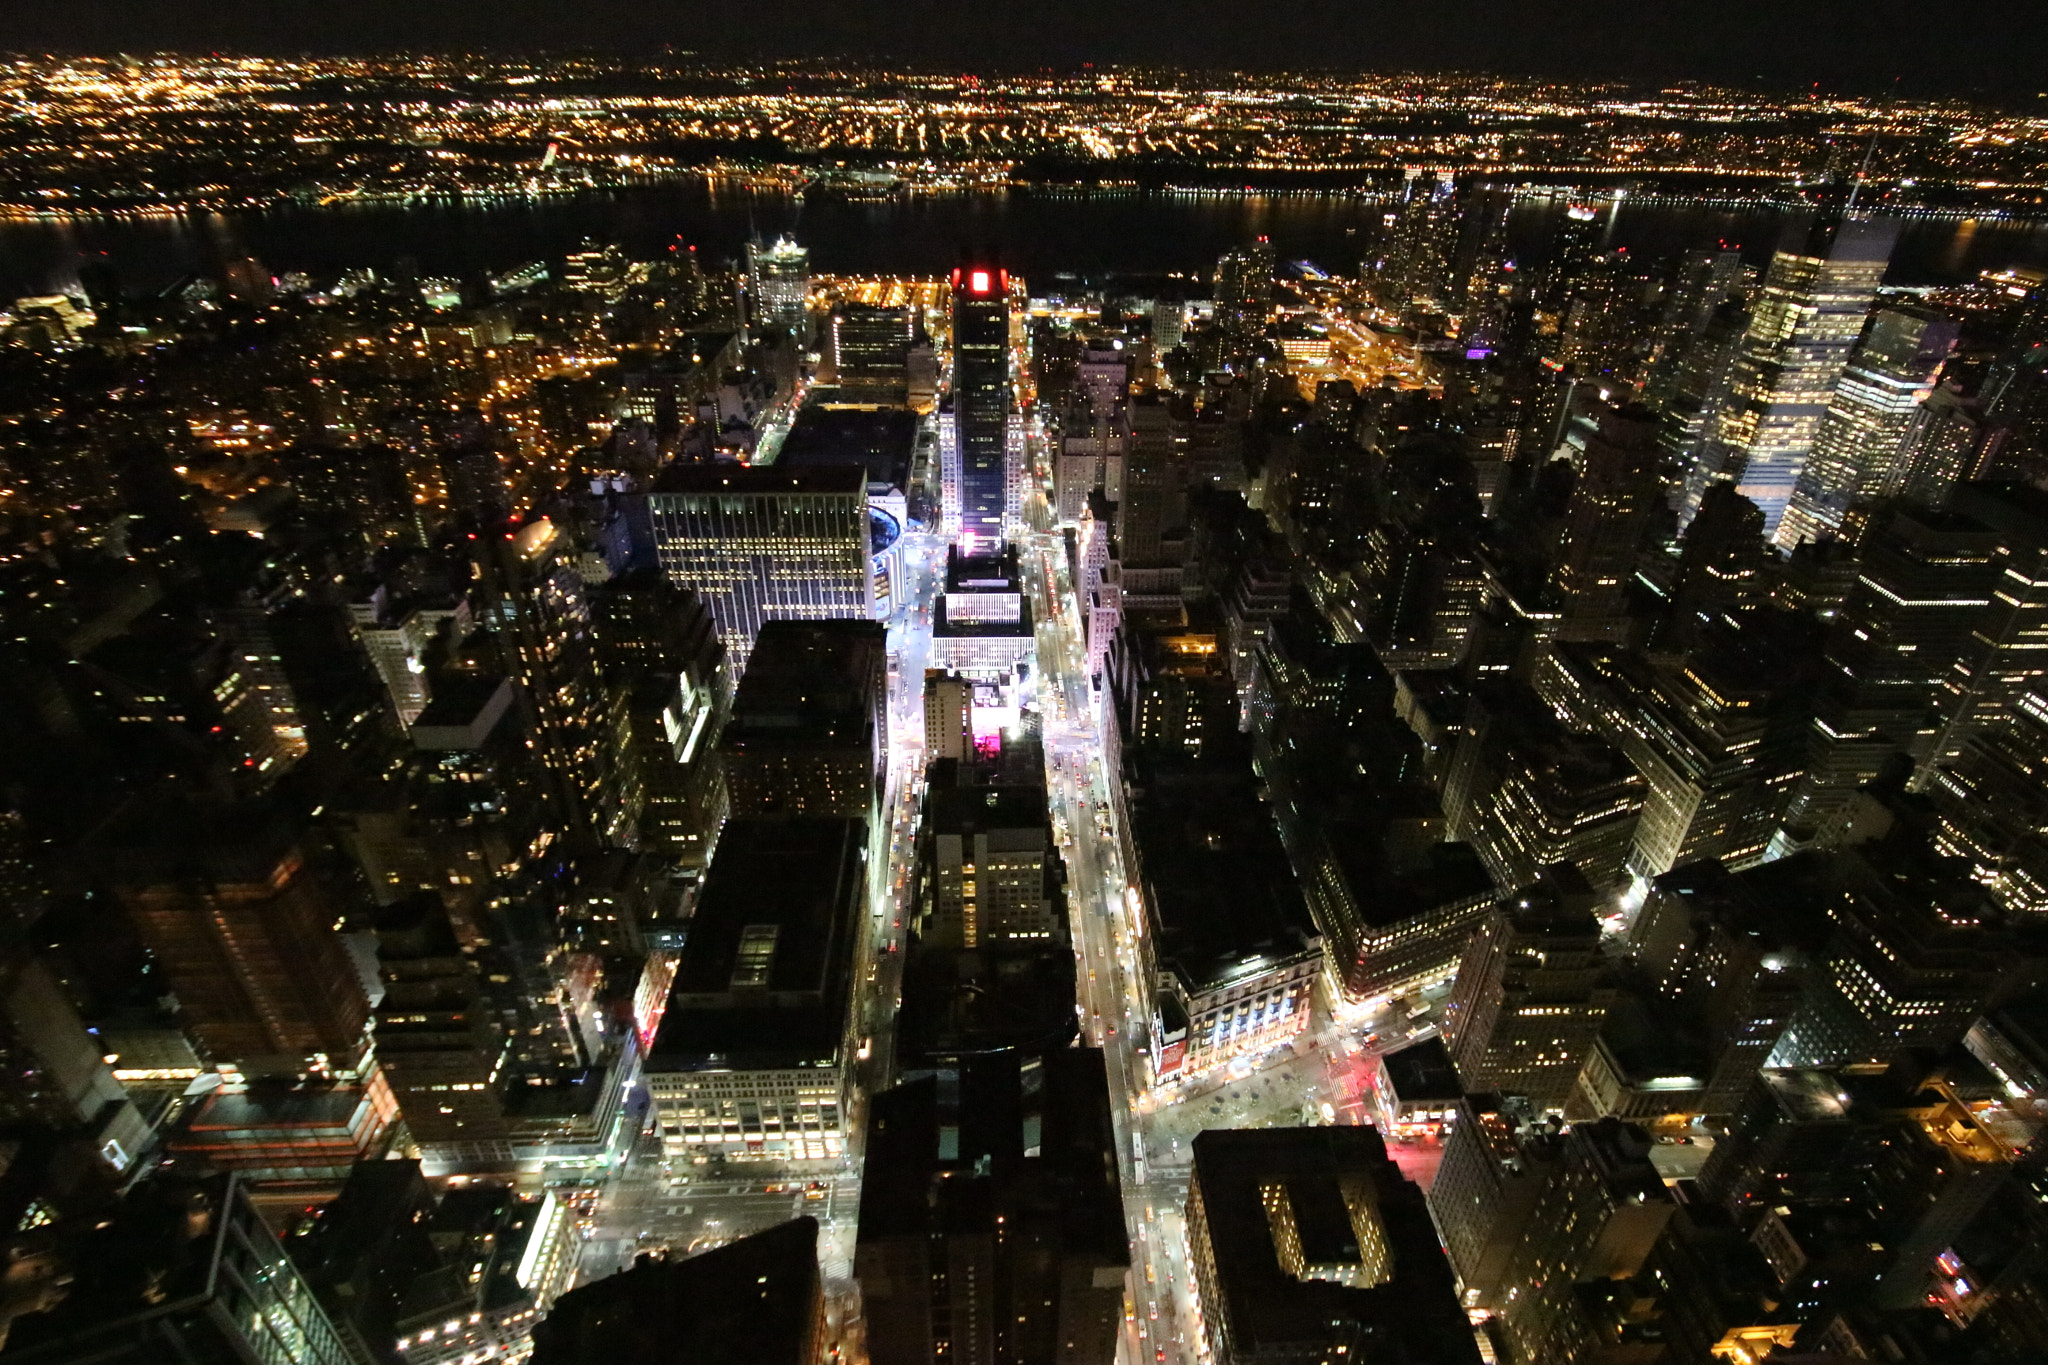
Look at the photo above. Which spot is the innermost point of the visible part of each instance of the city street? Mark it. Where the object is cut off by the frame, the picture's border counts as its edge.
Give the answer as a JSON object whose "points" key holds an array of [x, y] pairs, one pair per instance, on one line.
{"points": [[651, 1204]]}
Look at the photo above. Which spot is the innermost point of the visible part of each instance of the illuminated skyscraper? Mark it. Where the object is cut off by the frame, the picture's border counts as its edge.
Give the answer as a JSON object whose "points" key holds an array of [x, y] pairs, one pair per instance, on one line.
{"points": [[779, 278], [1529, 995], [1579, 236], [981, 404], [1718, 746], [1815, 298], [1859, 452], [2008, 653], [599, 270], [870, 348], [536, 605], [1614, 508], [766, 544], [1925, 581], [1418, 261], [1244, 300], [1919, 949], [664, 663], [1952, 441], [1702, 282], [1991, 805]]}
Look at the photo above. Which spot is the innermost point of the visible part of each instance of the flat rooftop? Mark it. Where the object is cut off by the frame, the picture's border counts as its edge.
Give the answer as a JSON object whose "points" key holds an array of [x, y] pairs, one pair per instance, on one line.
{"points": [[1224, 900], [766, 973], [1422, 1073], [810, 684], [1332, 1178], [723, 477], [756, 1301], [879, 440]]}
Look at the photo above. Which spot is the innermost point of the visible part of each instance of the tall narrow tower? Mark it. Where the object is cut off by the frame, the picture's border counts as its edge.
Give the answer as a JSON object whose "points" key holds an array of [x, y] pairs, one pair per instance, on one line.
{"points": [[981, 403], [1816, 296], [1860, 450], [779, 277]]}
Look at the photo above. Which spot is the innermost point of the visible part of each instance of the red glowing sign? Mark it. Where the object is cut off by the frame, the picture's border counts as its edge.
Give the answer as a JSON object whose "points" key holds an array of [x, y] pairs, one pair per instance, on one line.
{"points": [[978, 281]]}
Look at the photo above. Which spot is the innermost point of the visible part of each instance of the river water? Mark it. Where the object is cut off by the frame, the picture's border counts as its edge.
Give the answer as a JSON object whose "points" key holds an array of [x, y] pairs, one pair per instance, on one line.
{"points": [[1039, 233]]}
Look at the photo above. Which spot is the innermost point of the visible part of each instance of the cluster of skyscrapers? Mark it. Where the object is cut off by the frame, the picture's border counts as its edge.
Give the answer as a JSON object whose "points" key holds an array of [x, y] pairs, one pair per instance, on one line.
{"points": [[497, 766]]}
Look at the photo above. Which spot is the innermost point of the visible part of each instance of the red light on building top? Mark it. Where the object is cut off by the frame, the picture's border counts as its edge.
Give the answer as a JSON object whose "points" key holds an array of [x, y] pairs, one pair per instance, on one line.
{"points": [[982, 281]]}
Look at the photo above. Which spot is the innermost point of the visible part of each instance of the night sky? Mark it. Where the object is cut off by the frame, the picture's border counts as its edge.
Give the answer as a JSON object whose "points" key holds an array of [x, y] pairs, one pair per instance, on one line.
{"points": [[1992, 47]]}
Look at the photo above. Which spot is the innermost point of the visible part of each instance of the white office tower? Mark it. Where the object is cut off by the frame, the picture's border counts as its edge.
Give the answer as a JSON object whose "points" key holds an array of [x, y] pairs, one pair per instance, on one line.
{"points": [[1859, 453], [1815, 299]]}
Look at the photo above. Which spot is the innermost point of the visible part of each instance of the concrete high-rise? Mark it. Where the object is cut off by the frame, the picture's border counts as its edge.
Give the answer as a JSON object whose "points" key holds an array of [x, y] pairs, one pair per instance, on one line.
{"points": [[1919, 950], [948, 716], [537, 607], [766, 544], [981, 405], [1528, 1000], [1815, 298], [1417, 266], [808, 734], [665, 665], [991, 1218], [988, 867], [1598, 1216], [1891, 660], [752, 1060], [243, 932], [1608, 524], [869, 346], [2008, 652]]}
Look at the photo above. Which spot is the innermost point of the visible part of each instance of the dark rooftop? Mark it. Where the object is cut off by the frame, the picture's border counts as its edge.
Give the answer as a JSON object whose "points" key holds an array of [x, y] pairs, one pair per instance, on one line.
{"points": [[879, 440], [1033, 1133], [971, 810], [753, 479], [959, 1002], [764, 977], [810, 684], [465, 708], [1221, 890], [1412, 1314], [1423, 1071], [756, 1301], [1446, 875]]}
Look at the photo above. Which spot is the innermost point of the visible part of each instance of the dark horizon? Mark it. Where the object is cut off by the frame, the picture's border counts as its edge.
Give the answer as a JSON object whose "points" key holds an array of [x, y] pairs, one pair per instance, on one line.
{"points": [[1830, 45]]}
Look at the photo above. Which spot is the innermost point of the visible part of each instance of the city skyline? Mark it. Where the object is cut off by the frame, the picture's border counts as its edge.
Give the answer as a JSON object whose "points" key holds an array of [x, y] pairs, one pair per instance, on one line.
{"points": [[857, 714], [1883, 50]]}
